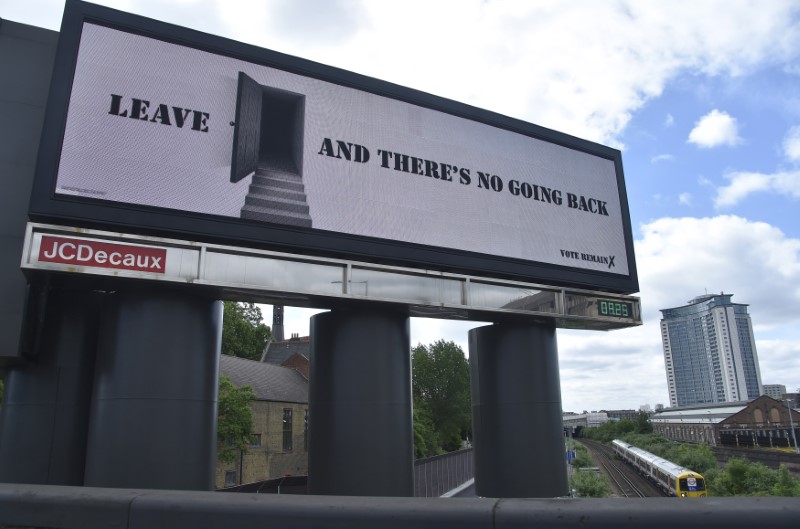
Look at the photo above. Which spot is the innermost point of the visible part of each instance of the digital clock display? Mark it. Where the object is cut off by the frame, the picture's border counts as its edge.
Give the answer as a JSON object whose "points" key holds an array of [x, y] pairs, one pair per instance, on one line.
{"points": [[617, 309]]}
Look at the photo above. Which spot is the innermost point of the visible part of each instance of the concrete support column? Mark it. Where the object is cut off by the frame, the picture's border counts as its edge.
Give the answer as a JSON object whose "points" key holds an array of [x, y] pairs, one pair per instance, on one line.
{"points": [[360, 425], [45, 410], [153, 417], [516, 412]]}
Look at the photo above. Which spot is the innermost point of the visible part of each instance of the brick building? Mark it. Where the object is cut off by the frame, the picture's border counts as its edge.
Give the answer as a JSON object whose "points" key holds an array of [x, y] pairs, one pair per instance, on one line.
{"points": [[292, 353], [763, 422], [279, 444]]}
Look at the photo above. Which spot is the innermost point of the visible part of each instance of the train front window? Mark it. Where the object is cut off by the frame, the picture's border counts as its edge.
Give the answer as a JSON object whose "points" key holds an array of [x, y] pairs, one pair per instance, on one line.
{"points": [[692, 484]]}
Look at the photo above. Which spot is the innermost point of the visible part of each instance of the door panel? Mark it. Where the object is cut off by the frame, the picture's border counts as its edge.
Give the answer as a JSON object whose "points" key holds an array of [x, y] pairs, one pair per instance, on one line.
{"points": [[247, 128]]}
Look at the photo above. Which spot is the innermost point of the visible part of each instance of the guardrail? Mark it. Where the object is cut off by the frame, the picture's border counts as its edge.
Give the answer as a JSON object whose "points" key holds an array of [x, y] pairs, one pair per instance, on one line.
{"points": [[56, 507], [434, 476]]}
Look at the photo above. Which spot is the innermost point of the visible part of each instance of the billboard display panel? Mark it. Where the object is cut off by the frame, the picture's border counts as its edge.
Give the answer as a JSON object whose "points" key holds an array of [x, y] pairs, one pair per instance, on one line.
{"points": [[168, 129]]}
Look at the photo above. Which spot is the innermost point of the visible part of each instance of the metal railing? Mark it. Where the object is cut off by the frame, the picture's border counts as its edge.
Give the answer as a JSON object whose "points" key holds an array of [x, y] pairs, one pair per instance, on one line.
{"points": [[434, 476]]}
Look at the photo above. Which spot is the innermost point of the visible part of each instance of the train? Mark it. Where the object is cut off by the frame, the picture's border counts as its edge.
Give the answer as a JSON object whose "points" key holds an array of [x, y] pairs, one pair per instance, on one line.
{"points": [[674, 479]]}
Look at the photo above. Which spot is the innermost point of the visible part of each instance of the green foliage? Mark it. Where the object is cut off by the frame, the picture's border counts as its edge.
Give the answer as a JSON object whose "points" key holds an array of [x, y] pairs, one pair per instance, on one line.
{"points": [[611, 430], [643, 424], [740, 477], [786, 485], [699, 458], [426, 440], [234, 419], [243, 331], [653, 443], [589, 485], [582, 458], [441, 391]]}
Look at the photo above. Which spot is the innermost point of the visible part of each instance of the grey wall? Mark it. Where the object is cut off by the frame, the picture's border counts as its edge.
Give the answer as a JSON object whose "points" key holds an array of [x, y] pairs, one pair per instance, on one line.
{"points": [[26, 62]]}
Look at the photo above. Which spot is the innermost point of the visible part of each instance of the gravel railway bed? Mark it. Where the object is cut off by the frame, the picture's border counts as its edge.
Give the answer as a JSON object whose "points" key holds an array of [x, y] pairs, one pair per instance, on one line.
{"points": [[625, 481]]}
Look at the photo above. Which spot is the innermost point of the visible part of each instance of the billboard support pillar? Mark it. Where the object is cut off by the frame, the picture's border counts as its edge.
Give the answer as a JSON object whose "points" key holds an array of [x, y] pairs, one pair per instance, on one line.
{"points": [[153, 417], [45, 410], [516, 412], [360, 427]]}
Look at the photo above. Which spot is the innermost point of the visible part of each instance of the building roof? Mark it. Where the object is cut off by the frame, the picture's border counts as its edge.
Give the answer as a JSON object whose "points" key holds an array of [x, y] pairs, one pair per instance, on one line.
{"points": [[269, 382], [708, 414], [277, 353]]}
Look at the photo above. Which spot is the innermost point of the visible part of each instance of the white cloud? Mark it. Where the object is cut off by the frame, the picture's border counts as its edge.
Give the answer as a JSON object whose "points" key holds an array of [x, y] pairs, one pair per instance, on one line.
{"points": [[791, 144], [715, 129], [581, 67], [669, 120], [685, 199], [662, 158], [743, 184], [779, 363], [677, 259]]}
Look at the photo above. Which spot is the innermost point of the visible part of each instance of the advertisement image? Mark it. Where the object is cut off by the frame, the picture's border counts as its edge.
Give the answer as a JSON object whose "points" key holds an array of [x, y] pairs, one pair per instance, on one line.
{"points": [[162, 125]]}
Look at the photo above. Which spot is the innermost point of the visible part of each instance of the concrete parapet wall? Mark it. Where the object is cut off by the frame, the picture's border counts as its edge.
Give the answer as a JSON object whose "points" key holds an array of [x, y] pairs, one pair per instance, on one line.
{"points": [[56, 507]]}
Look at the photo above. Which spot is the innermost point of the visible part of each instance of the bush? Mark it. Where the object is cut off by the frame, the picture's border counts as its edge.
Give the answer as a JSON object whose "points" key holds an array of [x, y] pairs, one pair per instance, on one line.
{"points": [[582, 458], [589, 485], [786, 485], [699, 458], [744, 478]]}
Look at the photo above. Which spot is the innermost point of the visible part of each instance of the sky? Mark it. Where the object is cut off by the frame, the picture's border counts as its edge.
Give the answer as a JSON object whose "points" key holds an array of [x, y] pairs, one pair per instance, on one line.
{"points": [[700, 96]]}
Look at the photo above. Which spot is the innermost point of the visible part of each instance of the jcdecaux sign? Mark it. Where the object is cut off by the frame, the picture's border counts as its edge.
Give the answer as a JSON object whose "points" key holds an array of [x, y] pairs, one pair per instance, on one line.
{"points": [[81, 252], [156, 129]]}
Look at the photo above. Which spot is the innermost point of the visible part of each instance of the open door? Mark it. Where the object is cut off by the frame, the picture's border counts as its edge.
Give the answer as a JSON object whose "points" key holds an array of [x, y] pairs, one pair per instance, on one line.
{"points": [[247, 128]]}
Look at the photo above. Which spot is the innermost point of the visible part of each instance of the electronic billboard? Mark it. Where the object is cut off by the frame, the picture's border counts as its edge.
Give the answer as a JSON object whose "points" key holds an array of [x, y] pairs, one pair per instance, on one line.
{"points": [[158, 129]]}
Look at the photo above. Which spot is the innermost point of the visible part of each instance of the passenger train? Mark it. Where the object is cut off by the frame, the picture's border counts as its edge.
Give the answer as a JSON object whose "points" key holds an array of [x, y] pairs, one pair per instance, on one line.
{"points": [[673, 479]]}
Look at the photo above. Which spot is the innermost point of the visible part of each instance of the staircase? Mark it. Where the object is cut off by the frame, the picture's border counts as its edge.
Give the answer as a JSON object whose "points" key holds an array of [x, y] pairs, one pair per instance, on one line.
{"points": [[277, 195]]}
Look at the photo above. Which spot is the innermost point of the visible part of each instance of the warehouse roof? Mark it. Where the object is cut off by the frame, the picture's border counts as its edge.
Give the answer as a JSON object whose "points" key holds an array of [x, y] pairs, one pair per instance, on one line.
{"points": [[698, 415]]}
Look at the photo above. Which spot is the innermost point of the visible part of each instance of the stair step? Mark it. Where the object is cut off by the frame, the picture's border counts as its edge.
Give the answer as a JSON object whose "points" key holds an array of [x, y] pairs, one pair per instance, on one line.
{"points": [[265, 181], [279, 204], [278, 164], [283, 175], [263, 214], [275, 192]]}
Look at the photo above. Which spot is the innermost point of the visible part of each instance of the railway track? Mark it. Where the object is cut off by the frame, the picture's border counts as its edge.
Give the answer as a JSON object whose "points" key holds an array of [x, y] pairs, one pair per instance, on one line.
{"points": [[625, 480]]}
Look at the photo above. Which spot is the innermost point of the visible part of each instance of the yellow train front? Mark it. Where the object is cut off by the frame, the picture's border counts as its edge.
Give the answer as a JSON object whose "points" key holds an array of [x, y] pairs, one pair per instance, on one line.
{"points": [[673, 479], [690, 485]]}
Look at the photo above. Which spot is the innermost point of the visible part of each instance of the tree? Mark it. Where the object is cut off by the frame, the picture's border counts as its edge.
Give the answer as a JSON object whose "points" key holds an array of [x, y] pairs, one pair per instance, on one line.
{"points": [[243, 331], [609, 431], [234, 419], [441, 390], [643, 424], [426, 442]]}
